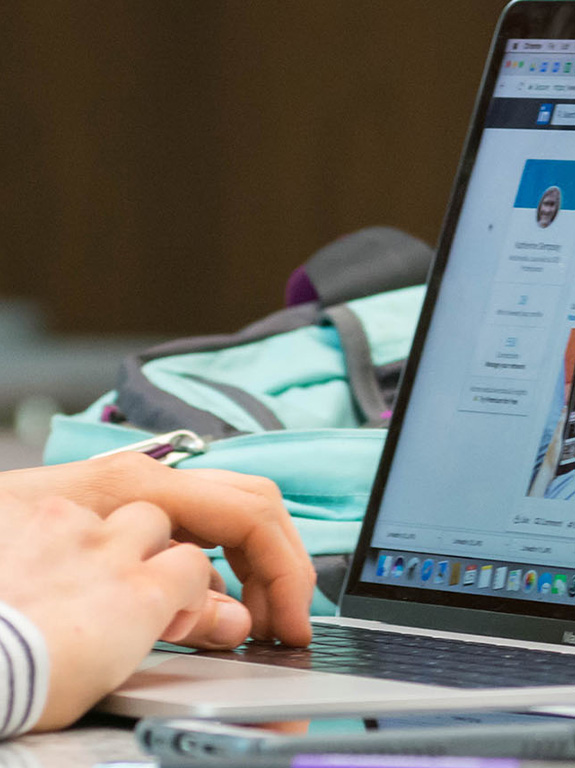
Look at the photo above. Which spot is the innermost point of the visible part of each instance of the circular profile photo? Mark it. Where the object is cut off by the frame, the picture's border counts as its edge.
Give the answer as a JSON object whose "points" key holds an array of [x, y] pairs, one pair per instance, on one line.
{"points": [[549, 206]]}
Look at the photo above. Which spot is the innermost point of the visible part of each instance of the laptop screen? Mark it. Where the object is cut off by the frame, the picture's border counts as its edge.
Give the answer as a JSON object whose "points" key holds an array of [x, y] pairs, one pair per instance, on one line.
{"points": [[479, 500]]}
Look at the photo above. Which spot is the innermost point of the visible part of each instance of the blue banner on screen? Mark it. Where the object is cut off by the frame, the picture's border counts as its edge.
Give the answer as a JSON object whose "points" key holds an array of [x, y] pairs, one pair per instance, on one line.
{"points": [[542, 175]]}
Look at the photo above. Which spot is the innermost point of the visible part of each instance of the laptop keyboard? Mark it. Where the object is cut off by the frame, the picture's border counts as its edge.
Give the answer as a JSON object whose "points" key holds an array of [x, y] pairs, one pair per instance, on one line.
{"points": [[414, 659]]}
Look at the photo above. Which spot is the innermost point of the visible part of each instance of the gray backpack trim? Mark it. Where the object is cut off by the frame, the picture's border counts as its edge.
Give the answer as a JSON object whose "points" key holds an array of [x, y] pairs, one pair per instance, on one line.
{"points": [[149, 407], [283, 321], [265, 417], [388, 377], [359, 364], [154, 409], [373, 260], [364, 263]]}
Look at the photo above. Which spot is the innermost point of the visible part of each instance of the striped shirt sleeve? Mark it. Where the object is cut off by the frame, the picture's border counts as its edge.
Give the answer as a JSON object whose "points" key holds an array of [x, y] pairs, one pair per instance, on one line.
{"points": [[24, 672]]}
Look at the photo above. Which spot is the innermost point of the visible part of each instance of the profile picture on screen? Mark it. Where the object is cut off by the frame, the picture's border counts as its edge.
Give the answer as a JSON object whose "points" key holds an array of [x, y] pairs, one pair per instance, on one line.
{"points": [[549, 206]]}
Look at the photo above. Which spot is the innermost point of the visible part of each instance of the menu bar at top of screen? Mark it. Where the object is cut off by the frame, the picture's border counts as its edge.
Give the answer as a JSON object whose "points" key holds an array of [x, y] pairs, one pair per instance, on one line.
{"points": [[533, 74], [540, 46]]}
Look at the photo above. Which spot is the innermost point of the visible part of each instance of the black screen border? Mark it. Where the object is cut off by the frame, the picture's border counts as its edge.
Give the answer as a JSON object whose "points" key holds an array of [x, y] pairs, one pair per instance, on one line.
{"points": [[522, 19]]}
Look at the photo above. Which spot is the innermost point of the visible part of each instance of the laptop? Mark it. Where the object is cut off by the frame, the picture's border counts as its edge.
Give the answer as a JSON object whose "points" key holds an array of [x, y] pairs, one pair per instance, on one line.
{"points": [[466, 560]]}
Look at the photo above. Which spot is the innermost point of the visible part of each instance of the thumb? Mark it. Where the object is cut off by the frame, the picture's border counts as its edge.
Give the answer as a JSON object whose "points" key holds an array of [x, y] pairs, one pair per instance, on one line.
{"points": [[222, 623]]}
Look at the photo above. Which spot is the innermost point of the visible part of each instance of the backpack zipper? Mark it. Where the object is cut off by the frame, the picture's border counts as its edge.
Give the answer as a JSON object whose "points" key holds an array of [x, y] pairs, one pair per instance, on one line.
{"points": [[169, 448]]}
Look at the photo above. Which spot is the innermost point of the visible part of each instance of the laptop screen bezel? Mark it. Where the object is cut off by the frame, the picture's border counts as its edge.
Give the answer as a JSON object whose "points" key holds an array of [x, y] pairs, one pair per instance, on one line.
{"points": [[523, 19]]}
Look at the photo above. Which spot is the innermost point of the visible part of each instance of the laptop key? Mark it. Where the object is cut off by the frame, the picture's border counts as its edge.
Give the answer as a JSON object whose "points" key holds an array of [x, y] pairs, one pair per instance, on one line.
{"points": [[414, 658]]}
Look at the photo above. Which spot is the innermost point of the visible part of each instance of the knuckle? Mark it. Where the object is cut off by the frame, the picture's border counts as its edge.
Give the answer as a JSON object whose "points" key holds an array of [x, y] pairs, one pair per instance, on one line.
{"points": [[148, 511], [58, 508], [92, 537], [83, 527], [149, 593], [266, 487], [120, 476], [198, 560], [266, 499], [263, 509], [55, 506], [128, 463]]}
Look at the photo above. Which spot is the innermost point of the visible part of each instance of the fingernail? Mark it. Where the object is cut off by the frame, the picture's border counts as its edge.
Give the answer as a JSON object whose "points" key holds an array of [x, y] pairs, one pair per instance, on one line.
{"points": [[231, 625]]}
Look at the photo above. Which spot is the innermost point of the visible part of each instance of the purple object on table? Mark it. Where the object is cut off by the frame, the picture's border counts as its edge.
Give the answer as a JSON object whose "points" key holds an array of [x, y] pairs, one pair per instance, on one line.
{"points": [[399, 761]]}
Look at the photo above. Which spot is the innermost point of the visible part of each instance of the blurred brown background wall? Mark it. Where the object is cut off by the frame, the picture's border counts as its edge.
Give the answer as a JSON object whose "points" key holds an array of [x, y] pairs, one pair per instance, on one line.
{"points": [[167, 163]]}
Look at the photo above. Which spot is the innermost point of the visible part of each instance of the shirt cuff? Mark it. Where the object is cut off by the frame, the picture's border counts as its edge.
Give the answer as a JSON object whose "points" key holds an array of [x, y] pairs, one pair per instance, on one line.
{"points": [[24, 672]]}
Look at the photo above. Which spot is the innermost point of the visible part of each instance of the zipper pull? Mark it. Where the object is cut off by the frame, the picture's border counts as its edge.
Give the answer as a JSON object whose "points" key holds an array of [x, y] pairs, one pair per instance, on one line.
{"points": [[169, 448]]}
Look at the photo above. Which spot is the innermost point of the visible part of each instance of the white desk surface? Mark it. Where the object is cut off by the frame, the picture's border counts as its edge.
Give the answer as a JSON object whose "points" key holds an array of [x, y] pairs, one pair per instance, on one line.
{"points": [[84, 746]]}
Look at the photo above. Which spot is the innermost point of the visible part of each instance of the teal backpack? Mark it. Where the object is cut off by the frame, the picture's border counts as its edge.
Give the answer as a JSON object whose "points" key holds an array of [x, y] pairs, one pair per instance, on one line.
{"points": [[303, 396]]}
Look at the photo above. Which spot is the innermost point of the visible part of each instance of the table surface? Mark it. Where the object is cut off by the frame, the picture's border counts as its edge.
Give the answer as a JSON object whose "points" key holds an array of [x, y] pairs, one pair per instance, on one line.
{"points": [[93, 742], [96, 743]]}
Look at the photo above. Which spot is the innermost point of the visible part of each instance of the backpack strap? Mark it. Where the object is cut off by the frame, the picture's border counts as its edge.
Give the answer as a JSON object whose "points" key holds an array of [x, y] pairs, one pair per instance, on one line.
{"points": [[372, 260], [373, 387], [367, 262], [147, 406], [361, 374]]}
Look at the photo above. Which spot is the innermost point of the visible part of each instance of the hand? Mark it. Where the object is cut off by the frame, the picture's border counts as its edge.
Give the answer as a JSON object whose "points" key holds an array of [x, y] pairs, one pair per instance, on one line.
{"points": [[100, 591], [244, 514]]}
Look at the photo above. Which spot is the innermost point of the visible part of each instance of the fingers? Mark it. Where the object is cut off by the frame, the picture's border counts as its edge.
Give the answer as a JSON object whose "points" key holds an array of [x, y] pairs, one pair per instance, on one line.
{"points": [[247, 517], [146, 526], [263, 548], [244, 514], [262, 492], [222, 623], [195, 615], [217, 582], [277, 589], [177, 579], [259, 486]]}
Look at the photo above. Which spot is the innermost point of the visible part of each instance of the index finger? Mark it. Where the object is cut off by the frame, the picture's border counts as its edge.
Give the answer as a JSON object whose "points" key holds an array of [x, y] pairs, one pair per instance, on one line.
{"points": [[260, 486], [247, 517]]}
